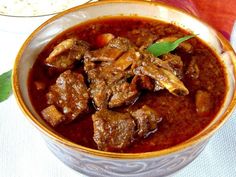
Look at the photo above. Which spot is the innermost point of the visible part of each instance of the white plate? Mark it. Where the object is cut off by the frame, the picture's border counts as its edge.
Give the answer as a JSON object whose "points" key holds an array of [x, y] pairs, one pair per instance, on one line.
{"points": [[36, 7]]}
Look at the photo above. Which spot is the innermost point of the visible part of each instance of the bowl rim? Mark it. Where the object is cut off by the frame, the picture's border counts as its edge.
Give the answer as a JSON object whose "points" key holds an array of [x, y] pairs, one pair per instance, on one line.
{"points": [[53, 136]]}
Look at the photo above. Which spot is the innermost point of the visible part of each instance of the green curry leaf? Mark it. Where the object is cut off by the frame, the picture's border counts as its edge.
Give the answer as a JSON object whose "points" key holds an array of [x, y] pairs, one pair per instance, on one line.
{"points": [[5, 85], [161, 48]]}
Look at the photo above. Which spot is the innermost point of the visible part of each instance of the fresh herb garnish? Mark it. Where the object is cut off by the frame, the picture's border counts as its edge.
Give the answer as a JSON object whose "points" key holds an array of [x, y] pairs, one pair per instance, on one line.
{"points": [[5, 85], [161, 48]]}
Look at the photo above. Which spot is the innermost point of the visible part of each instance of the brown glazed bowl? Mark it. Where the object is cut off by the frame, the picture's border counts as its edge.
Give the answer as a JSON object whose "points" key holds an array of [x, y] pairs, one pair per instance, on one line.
{"points": [[98, 163]]}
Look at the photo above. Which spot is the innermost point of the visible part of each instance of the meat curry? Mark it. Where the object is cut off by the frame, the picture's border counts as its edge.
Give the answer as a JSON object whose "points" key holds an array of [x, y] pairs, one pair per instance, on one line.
{"points": [[98, 86]]}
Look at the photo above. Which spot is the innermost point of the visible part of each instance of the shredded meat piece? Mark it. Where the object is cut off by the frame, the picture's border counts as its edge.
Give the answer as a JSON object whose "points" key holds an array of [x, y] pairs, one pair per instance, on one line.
{"points": [[127, 59], [163, 78], [66, 53], [164, 72], [146, 120], [70, 94], [113, 131], [170, 62], [115, 48], [175, 64], [104, 54]]}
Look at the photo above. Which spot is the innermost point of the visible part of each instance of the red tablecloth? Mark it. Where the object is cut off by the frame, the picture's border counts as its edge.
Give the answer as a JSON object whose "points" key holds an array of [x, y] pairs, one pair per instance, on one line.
{"points": [[221, 14]]}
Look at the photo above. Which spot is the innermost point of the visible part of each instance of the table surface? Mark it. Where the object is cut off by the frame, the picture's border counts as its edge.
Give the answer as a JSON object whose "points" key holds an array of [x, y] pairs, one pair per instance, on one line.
{"points": [[23, 152]]}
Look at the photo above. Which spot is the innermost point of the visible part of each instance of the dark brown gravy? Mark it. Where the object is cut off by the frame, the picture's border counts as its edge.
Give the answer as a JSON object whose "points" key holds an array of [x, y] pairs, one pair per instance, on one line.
{"points": [[180, 120]]}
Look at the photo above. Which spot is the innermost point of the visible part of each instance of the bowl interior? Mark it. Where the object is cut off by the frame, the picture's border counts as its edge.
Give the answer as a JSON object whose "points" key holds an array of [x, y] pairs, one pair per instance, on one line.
{"points": [[47, 31]]}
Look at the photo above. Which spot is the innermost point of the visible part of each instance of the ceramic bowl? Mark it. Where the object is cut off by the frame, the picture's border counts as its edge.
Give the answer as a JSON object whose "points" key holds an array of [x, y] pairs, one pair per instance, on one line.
{"points": [[98, 163]]}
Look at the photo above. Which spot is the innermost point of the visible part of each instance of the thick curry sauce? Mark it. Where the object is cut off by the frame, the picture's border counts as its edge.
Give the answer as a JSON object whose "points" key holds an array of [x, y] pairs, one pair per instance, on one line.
{"points": [[180, 120]]}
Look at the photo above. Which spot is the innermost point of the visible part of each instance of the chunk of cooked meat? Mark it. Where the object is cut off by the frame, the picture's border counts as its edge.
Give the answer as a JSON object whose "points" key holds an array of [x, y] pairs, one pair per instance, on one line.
{"points": [[193, 70], [52, 115], [121, 43], [89, 65], [143, 82], [103, 39], [203, 102], [113, 131], [122, 93], [111, 90], [101, 79], [66, 53], [175, 64], [127, 59], [163, 77], [115, 48], [100, 93], [104, 54], [70, 94], [170, 62], [146, 120], [108, 86], [186, 46]]}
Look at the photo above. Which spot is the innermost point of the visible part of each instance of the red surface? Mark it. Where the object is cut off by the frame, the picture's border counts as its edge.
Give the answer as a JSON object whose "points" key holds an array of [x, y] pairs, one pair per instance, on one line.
{"points": [[221, 14]]}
